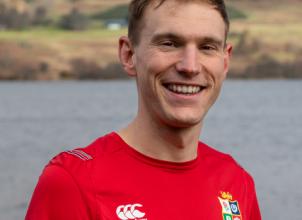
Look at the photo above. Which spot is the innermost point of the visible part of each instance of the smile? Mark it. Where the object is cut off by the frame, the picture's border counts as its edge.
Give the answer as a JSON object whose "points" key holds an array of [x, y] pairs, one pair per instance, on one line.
{"points": [[184, 89]]}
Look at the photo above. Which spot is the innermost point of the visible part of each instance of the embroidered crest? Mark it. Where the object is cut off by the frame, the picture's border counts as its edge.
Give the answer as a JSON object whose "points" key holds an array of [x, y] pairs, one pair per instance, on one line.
{"points": [[230, 207]]}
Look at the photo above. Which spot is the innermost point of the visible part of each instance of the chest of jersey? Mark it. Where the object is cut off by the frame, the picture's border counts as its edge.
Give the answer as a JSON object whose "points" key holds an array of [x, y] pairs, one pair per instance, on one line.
{"points": [[148, 193]]}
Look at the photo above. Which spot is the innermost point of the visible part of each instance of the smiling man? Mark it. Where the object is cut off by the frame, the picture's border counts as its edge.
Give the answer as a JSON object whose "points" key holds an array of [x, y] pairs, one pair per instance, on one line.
{"points": [[156, 167]]}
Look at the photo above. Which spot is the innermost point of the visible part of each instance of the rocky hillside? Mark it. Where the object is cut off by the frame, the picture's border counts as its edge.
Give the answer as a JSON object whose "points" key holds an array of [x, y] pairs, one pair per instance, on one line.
{"points": [[262, 48]]}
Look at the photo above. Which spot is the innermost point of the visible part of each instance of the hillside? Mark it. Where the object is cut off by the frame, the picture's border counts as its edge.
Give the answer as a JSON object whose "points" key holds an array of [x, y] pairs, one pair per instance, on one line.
{"points": [[267, 42]]}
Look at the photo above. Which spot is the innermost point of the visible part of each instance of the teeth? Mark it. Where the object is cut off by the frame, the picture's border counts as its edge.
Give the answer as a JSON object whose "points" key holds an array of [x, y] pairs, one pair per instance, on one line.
{"points": [[183, 89]]}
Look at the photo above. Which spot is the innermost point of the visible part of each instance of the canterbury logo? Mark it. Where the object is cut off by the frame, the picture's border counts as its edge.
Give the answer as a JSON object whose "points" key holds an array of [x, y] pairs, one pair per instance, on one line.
{"points": [[126, 212]]}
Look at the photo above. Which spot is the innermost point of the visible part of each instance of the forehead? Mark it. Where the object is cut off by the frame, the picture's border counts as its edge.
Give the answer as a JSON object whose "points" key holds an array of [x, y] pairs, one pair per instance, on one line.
{"points": [[185, 17]]}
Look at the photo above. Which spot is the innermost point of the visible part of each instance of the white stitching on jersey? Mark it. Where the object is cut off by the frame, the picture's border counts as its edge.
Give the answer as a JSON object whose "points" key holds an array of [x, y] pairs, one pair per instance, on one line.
{"points": [[80, 154], [84, 153]]}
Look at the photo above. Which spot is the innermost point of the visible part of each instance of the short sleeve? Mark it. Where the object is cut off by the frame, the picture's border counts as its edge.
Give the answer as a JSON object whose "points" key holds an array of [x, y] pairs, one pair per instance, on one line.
{"points": [[56, 197], [255, 211]]}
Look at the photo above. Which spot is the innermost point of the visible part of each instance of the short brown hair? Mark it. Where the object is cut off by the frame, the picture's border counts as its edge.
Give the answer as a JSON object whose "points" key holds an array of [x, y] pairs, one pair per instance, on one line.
{"points": [[138, 7]]}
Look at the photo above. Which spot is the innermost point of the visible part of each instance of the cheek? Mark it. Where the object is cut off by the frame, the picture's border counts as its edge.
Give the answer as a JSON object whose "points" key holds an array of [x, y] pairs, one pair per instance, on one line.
{"points": [[149, 70], [145, 79], [153, 61], [217, 68]]}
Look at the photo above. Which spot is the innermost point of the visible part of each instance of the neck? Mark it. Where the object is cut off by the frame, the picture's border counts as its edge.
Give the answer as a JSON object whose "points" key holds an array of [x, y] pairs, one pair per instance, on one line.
{"points": [[162, 142]]}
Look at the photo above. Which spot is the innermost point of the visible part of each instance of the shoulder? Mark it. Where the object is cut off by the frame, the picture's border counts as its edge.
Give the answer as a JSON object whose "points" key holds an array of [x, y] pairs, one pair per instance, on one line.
{"points": [[209, 153], [66, 189], [222, 162], [57, 195], [84, 157], [231, 177], [84, 164]]}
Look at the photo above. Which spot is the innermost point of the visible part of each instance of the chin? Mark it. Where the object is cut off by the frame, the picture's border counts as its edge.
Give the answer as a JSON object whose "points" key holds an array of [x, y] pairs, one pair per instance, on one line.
{"points": [[184, 122]]}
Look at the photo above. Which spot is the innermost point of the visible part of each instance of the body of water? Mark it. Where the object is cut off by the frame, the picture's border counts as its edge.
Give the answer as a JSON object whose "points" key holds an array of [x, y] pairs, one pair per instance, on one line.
{"points": [[258, 122]]}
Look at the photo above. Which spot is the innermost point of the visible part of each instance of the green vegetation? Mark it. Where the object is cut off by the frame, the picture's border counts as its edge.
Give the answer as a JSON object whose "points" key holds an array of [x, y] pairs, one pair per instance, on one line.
{"points": [[235, 13], [116, 12], [74, 21], [11, 18], [121, 12]]}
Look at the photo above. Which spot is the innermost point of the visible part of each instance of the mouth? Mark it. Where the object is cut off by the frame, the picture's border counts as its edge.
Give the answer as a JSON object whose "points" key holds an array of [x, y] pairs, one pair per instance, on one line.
{"points": [[184, 89]]}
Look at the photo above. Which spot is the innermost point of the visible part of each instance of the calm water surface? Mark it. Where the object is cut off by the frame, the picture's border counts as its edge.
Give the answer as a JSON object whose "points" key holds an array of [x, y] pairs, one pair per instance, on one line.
{"points": [[258, 122]]}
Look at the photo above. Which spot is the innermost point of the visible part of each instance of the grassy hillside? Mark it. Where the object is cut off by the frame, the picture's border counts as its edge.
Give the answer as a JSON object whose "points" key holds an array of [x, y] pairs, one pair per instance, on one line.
{"points": [[267, 42]]}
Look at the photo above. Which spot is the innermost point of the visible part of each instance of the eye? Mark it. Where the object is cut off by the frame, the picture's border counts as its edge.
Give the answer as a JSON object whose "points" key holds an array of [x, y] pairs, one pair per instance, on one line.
{"points": [[208, 47], [168, 43]]}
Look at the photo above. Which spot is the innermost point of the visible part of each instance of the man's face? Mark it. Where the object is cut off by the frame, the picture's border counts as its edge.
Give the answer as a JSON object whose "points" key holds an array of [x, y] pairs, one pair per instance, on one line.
{"points": [[180, 62]]}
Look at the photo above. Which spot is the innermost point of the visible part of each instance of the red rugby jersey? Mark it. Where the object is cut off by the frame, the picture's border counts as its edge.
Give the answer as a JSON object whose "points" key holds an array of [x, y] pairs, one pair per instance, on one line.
{"points": [[109, 180]]}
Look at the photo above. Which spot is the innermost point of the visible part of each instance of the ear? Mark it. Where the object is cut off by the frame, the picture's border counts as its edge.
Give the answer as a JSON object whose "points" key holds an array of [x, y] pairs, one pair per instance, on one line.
{"points": [[126, 55], [227, 56]]}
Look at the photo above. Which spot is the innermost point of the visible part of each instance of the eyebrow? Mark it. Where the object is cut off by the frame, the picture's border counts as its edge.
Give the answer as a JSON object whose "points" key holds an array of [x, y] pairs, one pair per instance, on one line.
{"points": [[176, 37]]}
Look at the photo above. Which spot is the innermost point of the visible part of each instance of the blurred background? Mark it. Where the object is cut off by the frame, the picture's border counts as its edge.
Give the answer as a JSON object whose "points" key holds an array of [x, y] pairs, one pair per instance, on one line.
{"points": [[61, 86], [76, 39]]}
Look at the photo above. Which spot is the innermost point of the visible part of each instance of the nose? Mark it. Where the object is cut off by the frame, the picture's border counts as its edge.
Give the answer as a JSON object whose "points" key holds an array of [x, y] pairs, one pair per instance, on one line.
{"points": [[188, 63]]}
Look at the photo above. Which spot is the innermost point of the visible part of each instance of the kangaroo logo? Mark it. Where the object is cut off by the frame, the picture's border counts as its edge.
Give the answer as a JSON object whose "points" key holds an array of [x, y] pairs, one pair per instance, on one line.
{"points": [[125, 212]]}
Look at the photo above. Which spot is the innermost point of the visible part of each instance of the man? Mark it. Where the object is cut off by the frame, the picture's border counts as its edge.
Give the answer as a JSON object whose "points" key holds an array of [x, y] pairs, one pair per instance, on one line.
{"points": [[156, 168]]}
